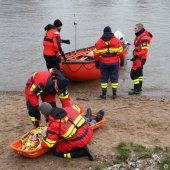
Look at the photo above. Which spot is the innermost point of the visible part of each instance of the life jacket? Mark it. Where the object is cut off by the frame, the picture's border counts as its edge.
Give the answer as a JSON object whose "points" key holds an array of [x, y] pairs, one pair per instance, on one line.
{"points": [[50, 43], [109, 51], [40, 83], [71, 128], [142, 44]]}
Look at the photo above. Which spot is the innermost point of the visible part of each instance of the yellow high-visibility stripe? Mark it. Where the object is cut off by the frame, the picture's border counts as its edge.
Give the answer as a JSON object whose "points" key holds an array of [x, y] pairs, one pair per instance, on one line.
{"points": [[33, 119], [62, 96], [75, 107], [145, 47], [140, 78], [70, 132], [49, 143], [33, 87], [116, 50], [79, 121], [67, 155], [103, 85], [136, 81], [72, 129], [110, 50], [115, 85], [103, 51], [40, 92]]}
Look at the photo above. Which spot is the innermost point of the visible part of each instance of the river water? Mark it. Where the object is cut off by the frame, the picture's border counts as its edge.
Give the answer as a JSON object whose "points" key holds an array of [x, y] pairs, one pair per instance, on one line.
{"points": [[21, 33]]}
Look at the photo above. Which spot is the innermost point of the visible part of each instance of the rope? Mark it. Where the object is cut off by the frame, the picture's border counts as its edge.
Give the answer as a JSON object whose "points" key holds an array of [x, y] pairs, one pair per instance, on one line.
{"points": [[80, 68]]}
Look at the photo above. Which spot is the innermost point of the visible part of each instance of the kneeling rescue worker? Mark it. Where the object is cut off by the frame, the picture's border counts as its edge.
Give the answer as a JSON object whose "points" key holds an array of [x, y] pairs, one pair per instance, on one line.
{"points": [[67, 132], [45, 84], [107, 54]]}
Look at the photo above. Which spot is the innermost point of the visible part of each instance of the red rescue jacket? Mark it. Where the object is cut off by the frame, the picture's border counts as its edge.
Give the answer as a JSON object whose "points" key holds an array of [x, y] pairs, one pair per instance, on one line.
{"points": [[108, 50], [142, 43], [41, 83], [141, 46], [71, 128], [51, 43]]}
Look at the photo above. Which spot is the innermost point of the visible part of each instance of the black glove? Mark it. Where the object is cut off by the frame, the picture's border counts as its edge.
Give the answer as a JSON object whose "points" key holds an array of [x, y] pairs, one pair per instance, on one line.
{"points": [[97, 64], [122, 62], [134, 58], [66, 41]]}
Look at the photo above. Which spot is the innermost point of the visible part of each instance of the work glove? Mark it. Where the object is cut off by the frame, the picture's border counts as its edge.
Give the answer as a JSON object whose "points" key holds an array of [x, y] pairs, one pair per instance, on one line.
{"points": [[97, 64], [66, 41], [134, 58], [36, 123]]}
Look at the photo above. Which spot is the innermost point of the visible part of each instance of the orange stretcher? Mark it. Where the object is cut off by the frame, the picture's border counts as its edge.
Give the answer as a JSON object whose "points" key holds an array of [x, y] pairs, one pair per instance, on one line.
{"points": [[17, 144]]}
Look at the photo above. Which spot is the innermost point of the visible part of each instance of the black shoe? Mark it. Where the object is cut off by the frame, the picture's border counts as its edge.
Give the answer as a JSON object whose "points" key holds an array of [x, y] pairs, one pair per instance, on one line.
{"points": [[114, 96], [102, 96], [88, 113], [89, 153], [134, 92], [99, 116], [133, 89]]}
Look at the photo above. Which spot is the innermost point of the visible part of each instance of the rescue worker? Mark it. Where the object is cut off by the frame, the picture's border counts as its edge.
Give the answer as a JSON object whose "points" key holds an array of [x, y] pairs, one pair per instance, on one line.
{"points": [[140, 52], [67, 132], [52, 45], [45, 84], [107, 54]]}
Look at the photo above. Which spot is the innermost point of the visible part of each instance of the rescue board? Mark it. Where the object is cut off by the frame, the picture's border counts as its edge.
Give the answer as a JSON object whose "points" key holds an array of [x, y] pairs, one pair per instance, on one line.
{"points": [[17, 145]]}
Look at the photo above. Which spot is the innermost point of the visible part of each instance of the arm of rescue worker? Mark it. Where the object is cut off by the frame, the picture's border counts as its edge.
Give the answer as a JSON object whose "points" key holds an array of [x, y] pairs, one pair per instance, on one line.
{"points": [[32, 104], [96, 54], [51, 137], [120, 51], [96, 57], [60, 48], [64, 98]]}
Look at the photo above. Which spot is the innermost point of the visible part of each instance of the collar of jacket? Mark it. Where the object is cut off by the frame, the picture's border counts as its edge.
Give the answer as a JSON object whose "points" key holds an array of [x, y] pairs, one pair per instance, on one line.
{"points": [[140, 32], [107, 36]]}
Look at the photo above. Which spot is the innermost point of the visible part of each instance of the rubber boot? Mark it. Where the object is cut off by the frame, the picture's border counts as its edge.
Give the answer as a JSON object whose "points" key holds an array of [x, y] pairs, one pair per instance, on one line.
{"points": [[88, 113], [136, 90], [99, 116], [103, 95], [140, 82], [114, 93], [89, 153]]}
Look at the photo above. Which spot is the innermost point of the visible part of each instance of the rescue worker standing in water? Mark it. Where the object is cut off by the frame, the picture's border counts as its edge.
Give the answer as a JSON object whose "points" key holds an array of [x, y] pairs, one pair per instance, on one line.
{"points": [[52, 45], [140, 52], [45, 84], [107, 54]]}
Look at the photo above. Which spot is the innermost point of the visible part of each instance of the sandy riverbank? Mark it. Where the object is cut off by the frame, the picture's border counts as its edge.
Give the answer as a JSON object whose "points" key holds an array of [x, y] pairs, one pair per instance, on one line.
{"points": [[140, 119]]}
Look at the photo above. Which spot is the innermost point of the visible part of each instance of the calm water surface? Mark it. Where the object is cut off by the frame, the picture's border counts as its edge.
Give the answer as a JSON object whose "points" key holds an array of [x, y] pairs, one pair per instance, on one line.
{"points": [[21, 31]]}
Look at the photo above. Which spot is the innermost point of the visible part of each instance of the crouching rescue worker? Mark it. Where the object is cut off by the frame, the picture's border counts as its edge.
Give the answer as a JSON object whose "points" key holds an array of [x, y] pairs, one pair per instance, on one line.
{"points": [[140, 52], [107, 54], [67, 132], [52, 45], [45, 84]]}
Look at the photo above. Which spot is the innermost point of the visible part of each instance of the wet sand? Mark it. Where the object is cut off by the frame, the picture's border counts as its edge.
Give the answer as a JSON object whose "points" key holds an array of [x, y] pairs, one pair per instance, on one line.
{"points": [[139, 119]]}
